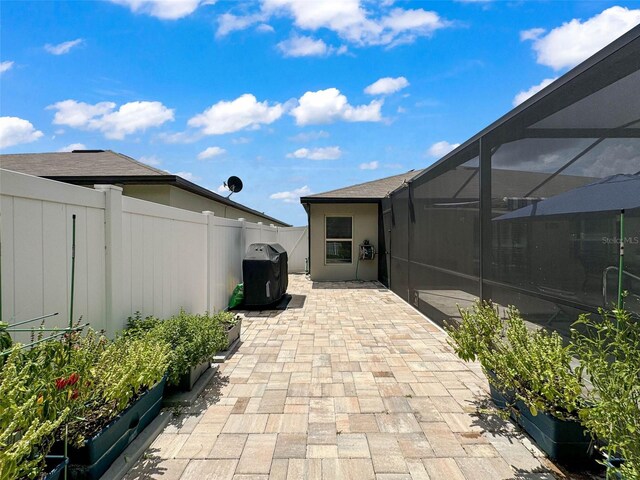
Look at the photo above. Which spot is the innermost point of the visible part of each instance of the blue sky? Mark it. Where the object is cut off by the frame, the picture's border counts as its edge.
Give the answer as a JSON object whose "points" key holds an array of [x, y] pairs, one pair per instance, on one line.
{"points": [[293, 96]]}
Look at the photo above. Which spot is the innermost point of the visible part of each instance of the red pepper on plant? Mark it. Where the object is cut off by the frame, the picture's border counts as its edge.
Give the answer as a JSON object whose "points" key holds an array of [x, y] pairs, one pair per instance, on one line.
{"points": [[61, 383], [73, 379]]}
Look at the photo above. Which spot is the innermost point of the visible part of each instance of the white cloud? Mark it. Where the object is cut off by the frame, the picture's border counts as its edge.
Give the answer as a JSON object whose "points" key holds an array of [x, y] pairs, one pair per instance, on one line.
{"points": [[78, 114], [62, 48], [14, 131], [525, 94], [575, 41], [243, 112], [440, 149], [241, 140], [187, 176], [292, 196], [73, 146], [265, 28], [326, 106], [115, 124], [369, 166], [321, 153], [309, 136], [211, 152], [6, 66], [300, 46], [386, 85], [223, 189], [531, 34], [228, 23], [151, 160], [348, 18], [164, 9]]}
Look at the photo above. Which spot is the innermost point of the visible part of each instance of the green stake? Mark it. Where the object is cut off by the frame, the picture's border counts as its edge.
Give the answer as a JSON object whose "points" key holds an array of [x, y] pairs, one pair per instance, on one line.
{"points": [[621, 266], [73, 266]]}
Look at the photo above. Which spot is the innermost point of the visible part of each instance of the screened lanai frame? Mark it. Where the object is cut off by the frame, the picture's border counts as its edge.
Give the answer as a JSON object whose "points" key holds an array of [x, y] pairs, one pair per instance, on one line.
{"points": [[445, 246]]}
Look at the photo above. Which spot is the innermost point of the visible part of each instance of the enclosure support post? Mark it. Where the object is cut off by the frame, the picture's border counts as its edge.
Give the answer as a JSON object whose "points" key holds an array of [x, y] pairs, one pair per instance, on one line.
{"points": [[113, 257], [485, 217]]}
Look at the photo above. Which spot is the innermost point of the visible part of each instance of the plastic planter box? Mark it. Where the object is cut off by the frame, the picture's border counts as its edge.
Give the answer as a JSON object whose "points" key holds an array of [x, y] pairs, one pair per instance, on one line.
{"points": [[189, 379], [55, 467], [563, 440], [233, 333], [91, 460]]}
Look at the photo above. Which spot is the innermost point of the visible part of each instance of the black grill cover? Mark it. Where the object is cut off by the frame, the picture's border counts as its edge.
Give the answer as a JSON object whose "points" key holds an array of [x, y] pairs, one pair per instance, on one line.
{"points": [[264, 271]]}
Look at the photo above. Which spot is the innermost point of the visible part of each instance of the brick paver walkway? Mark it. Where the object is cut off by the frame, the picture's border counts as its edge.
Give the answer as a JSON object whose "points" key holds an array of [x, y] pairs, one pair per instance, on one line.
{"points": [[354, 384]]}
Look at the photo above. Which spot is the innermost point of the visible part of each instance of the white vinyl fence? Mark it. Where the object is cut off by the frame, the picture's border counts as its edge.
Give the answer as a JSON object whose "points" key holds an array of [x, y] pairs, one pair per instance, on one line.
{"points": [[131, 255]]}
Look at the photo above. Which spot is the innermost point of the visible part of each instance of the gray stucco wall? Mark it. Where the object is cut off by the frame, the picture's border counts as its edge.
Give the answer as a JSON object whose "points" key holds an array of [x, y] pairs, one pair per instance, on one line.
{"points": [[365, 227]]}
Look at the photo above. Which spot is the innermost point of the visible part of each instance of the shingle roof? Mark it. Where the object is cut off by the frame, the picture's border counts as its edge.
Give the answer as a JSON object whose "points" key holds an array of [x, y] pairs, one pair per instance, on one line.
{"points": [[80, 163], [88, 167], [368, 190]]}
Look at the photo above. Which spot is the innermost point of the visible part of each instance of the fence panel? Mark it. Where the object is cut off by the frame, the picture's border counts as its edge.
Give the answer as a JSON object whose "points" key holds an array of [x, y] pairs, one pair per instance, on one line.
{"points": [[131, 255], [162, 259], [224, 260], [295, 241], [35, 234]]}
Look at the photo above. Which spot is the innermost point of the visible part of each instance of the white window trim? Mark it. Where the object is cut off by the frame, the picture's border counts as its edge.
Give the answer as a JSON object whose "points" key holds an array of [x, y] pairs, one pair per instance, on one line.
{"points": [[333, 264]]}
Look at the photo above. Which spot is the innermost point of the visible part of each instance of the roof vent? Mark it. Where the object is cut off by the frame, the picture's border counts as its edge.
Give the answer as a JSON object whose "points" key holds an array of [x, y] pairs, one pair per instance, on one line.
{"points": [[87, 151]]}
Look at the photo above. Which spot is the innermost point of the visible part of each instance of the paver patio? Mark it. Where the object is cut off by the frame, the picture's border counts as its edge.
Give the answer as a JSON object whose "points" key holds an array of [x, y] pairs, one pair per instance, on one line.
{"points": [[352, 383]]}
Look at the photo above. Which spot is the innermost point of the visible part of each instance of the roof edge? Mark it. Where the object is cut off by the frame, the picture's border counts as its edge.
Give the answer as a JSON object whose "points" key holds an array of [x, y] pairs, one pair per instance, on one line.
{"points": [[173, 180]]}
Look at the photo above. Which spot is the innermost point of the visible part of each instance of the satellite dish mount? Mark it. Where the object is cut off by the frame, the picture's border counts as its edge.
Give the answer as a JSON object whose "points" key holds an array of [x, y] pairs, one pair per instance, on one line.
{"points": [[234, 184]]}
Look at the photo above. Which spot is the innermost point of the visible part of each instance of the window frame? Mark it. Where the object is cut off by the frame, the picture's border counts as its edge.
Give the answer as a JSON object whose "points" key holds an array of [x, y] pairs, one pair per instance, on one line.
{"points": [[327, 239]]}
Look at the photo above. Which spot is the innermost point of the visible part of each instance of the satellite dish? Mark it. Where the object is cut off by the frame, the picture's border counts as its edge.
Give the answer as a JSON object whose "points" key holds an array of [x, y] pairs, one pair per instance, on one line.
{"points": [[234, 184]]}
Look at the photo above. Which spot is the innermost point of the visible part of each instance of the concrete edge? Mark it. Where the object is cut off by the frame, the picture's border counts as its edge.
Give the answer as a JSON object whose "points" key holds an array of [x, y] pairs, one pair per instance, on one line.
{"points": [[136, 449], [186, 399], [221, 357]]}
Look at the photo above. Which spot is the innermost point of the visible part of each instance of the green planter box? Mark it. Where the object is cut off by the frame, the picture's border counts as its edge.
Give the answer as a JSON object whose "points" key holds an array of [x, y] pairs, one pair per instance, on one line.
{"points": [[55, 467], [97, 454], [233, 333], [189, 379], [563, 440]]}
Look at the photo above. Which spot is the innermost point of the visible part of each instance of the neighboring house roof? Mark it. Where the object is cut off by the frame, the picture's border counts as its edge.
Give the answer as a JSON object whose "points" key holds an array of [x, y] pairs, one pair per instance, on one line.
{"points": [[89, 167], [363, 192], [79, 163]]}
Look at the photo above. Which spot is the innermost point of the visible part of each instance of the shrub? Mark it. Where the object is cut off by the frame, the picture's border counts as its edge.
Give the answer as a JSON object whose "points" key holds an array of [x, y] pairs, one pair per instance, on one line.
{"points": [[479, 332], [118, 372], [537, 367], [31, 409], [534, 366], [609, 351], [193, 338]]}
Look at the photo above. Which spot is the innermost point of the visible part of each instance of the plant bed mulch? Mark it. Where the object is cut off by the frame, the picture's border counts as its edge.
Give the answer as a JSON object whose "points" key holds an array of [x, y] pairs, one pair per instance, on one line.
{"points": [[91, 460]]}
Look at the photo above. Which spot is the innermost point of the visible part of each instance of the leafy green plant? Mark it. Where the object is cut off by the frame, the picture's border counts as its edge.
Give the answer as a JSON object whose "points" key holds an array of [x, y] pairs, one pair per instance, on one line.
{"points": [[609, 351], [533, 365], [193, 339], [479, 331], [119, 372], [537, 367], [31, 409]]}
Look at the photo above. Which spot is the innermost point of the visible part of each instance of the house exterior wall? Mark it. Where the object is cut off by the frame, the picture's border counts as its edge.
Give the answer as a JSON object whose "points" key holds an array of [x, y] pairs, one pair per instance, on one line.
{"points": [[365, 227], [179, 198]]}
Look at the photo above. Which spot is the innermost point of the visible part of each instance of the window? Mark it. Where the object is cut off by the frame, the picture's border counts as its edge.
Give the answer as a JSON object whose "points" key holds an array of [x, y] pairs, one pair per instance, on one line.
{"points": [[338, 239]]}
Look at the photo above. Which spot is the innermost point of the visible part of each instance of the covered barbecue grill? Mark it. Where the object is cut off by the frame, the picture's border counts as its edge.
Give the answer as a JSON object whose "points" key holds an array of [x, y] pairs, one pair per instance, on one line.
{"points": [[264, 271]]}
